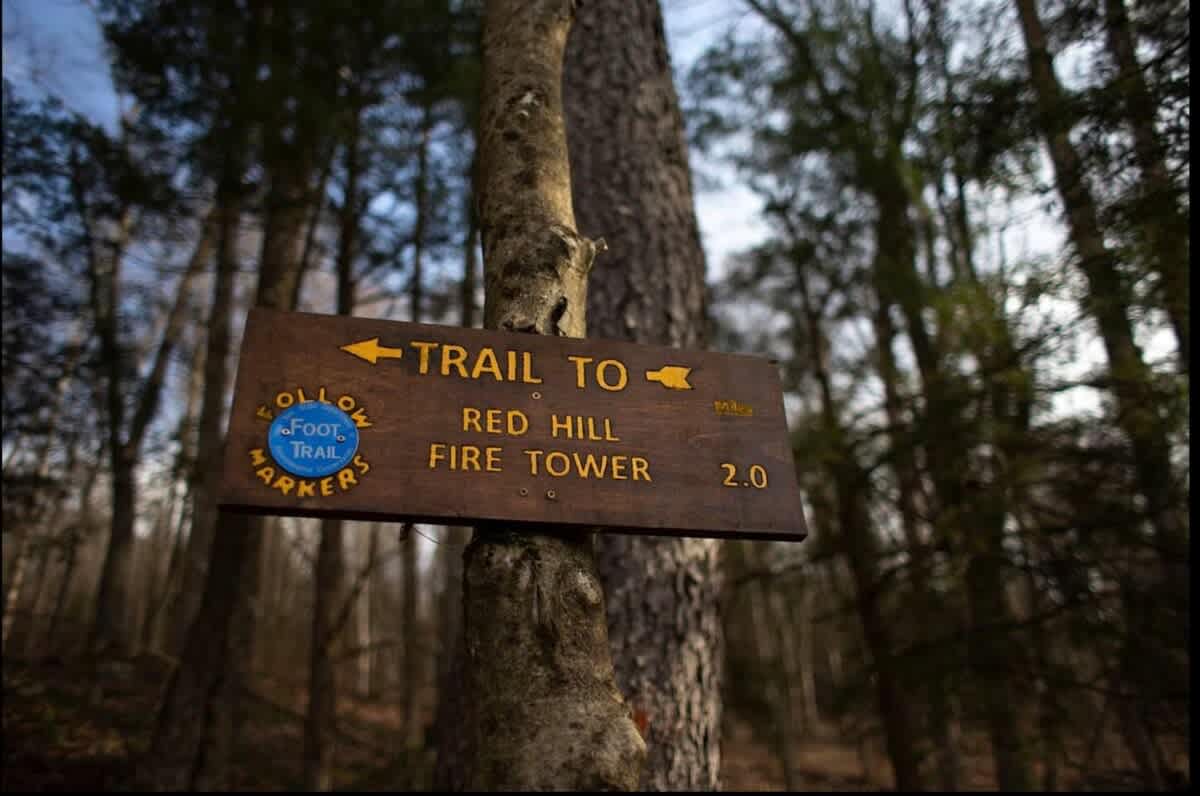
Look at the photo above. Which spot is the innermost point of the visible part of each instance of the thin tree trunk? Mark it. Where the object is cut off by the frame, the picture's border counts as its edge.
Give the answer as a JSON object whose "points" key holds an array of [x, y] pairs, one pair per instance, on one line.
{"points": [[413, 645], [15, 582], [110, 630], [1164, 224], [1109, 303], [421, 222], [321, 717], [470, 253], [544, 710], [192, 737], [860, 547], [631, 184]]}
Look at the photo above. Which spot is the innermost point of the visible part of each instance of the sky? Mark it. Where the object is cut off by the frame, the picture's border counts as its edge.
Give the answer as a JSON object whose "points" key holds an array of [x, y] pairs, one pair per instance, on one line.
{"points": [[56, 45]]}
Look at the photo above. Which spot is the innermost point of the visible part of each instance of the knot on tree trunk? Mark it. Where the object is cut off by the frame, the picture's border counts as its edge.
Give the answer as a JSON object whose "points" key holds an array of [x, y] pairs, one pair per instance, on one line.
{"points": [[540, 285]]}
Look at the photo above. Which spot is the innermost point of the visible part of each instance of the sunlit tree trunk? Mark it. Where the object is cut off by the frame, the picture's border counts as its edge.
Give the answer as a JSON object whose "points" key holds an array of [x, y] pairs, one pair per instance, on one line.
{"points": [[543, 708]]}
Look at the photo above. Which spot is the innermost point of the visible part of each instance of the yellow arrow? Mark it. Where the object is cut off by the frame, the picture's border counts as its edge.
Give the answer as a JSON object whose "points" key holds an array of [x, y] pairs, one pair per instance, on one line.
{"points": [[372, 351], [673, 377]]}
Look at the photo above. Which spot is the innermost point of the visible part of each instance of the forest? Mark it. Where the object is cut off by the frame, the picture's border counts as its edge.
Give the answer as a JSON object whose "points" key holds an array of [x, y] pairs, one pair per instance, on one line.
{"points": [[968, 257]]}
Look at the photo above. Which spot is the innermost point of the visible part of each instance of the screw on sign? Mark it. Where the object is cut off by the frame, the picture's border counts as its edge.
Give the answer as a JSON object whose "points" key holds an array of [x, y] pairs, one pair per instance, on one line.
{"points": [[626, 437]]}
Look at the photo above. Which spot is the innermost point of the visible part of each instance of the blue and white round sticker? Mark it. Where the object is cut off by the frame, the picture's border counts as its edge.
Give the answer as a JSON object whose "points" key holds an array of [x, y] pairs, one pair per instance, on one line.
{"points": [[313, 439]]}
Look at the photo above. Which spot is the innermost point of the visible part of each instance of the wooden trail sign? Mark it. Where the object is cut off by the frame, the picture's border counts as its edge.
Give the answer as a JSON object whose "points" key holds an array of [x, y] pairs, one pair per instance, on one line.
{"points": [[367, 419]]}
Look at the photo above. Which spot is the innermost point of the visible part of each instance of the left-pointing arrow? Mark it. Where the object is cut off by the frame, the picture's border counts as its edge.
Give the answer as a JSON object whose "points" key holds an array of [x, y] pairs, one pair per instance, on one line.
{"points": [[372, 351]]}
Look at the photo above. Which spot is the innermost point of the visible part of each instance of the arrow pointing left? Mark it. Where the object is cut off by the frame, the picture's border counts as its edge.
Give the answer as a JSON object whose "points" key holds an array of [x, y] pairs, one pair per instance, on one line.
{"points": [[372, 351]]}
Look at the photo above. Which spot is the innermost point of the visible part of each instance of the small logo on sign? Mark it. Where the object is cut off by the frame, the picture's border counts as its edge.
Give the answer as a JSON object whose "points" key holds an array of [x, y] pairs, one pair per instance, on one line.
{"points": [[312, 444], [313, 439]]}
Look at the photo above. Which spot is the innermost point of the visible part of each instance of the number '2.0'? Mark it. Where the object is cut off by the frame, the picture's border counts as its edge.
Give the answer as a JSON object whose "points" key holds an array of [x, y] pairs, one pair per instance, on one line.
{"points": [[758, 476]]}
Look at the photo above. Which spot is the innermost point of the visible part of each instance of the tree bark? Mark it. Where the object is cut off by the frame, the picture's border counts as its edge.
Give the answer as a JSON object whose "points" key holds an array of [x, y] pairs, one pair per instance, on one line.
{"points": [[848, 483], [544, 708], [1163, 222], [321, 717], [1109, 303], [631, 184], [413, 645], [110, 628], [205, 470], [190, 743]]}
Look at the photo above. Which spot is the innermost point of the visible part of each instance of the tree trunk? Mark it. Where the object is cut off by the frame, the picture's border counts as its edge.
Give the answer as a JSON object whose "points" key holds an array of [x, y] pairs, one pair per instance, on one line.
{"points": [[413, 645], [209, 437], [111, 630], [189, 746], [1163, 222], [1109, 303], [15, 582], [321, 717], [470, 255], [421, 210], [544, 708], [631, 184], [935, 680], [108, 632], [860, 547]]}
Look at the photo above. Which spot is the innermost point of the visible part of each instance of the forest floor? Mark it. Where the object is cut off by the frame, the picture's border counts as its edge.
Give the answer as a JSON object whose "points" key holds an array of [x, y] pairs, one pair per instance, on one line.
{"points": [[61, 734]]}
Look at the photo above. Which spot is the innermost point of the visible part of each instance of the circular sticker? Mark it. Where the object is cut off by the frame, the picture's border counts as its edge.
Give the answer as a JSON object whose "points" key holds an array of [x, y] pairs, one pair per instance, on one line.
{"points": [[313, 439]]}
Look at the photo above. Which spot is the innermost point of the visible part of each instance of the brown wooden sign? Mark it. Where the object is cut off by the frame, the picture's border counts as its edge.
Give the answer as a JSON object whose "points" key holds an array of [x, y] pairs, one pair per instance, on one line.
{"points": [[368, 419]]}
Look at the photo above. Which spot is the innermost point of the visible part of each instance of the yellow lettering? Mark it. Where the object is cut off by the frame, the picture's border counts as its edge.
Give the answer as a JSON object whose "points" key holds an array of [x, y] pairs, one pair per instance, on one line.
{"points": [[321, 396], [300, 395], [256, 457], [346, 403], [437, 450], [640, 468], [533, 460], [622, 375], [608, 435], [424, 348], [327, 486], [517, 414], [580, 376], [284, 484], [557, 425], [491, 459], [284, 400], [550, 468], [265, 474], [493, 421], [470, 458], [264, 413], [511, 356], [487, 355], [346, 478], [305, 489], [527, 369], [360, 418], [454, 356], [618, 468], [361, 464], [591, 467], [471, 418]]}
